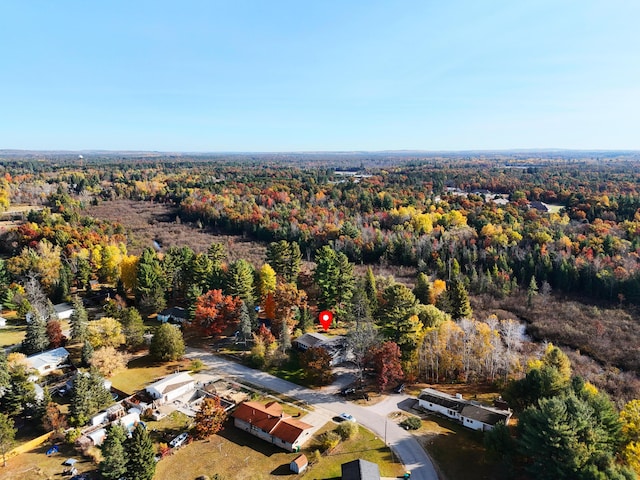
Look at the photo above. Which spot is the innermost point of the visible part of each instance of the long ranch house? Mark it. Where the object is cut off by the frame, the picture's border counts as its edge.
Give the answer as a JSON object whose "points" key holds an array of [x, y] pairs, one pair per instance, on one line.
{"points": [[470, 414], [271, 424]]}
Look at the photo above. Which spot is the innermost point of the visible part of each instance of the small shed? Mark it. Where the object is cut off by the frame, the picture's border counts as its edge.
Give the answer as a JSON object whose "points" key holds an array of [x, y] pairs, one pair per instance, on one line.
{"points": [[63, 310], [360, 470], [3, 322], [299, 464]]}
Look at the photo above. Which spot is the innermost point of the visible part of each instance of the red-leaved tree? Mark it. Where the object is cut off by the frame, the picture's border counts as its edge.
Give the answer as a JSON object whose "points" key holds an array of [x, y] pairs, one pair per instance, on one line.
{"points": [[54, 334], [217, 313], [386, 359]]}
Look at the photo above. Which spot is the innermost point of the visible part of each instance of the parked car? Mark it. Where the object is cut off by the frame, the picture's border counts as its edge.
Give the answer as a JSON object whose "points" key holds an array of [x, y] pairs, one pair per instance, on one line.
{"points": [[347, 391], [347, 417], [179, 440], [399, 388]]}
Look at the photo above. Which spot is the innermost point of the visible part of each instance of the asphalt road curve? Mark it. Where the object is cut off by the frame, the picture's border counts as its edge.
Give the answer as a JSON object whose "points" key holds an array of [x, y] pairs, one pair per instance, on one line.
{"points": [[403, 443]]}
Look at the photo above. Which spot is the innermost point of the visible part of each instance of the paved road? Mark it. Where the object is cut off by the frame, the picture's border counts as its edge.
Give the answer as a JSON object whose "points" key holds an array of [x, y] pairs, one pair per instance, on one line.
{"points": [[326, 402]]}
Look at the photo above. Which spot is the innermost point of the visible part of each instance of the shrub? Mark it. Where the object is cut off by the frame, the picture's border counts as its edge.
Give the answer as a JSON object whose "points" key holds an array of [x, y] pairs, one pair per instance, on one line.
{"points": [[196, 365], [316, 456], [347, 430], [411, 423], [329, 441], [72, 435]]}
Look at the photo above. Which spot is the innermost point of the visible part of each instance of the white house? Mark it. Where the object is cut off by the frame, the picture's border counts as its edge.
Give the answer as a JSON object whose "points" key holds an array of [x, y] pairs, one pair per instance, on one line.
{"points": [[470, 414], [47, 362], [63, 310], [98, 436], [171, 387], [270, 423]]}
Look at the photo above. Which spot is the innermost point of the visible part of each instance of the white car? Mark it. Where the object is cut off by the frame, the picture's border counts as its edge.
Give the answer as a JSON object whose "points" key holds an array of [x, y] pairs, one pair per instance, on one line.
{"points": [[346, 416], [179, 440]]}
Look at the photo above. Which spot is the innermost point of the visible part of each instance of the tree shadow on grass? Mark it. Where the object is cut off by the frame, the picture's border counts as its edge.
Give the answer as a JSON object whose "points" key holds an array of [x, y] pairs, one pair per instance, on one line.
{"points": [[282, 470], [245, 439]]}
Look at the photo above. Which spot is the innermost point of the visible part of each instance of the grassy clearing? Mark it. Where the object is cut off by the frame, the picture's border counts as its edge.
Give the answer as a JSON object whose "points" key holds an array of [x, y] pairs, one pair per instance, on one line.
{"points": [[12, 334], [143, 370], [457, 451], [35, 465], [237, 455]]}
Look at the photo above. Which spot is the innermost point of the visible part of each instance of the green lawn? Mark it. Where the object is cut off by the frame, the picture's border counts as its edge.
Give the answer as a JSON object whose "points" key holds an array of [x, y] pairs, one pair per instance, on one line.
{"points": [[35, 465], [11, 334], [235, 454], [143, 370], [457, 451]]}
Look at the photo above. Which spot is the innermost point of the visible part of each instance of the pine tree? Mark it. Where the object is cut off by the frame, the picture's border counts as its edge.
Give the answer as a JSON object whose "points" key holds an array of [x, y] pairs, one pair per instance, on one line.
{"points": [[19, 393], [200, 271], [79, 320], [114, 465], [460, 306], [334, 277], [193, 293], [305, 321], [87, 353], [245, 322], [150, 283], [88, 396], [285, 259], [240, 281], [5, 378], [141, 464], [532, 291], [133, 328], [422, 290], [371, 289], [7, 436], [36, 339]]}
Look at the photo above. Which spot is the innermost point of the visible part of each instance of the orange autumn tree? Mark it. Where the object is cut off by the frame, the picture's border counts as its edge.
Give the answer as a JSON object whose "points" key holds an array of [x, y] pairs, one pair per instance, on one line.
{"points": [[216, 313]]}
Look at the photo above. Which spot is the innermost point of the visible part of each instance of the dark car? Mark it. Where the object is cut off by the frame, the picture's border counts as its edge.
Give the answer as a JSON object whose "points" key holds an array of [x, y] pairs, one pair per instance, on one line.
{"points": [[399, 388], [347, 391]]}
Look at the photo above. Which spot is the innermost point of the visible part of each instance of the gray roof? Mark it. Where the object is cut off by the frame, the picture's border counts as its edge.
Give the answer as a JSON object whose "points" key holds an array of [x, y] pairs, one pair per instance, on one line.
{"points": [[51, 357], [311, 339], [453, 404], [360, 470], [484, 415], [176, 312]]}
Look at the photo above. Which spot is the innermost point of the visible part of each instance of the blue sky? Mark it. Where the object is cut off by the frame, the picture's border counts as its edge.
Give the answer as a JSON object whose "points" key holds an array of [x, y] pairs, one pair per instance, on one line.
{"points": [[273, 75]]}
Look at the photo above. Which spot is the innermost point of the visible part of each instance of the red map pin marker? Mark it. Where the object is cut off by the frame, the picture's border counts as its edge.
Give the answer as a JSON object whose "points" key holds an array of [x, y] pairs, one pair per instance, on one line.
{"points": [[326, 317]]}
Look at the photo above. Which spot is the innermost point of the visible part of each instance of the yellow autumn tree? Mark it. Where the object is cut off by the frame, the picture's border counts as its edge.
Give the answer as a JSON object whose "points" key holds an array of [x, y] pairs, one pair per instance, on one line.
{"points": [[106, 332], [437, 288], [128, 271]]}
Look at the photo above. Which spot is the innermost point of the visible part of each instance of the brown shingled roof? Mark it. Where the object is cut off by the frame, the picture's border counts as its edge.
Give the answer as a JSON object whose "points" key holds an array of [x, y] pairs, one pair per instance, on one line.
{"points": [[271, 419]]}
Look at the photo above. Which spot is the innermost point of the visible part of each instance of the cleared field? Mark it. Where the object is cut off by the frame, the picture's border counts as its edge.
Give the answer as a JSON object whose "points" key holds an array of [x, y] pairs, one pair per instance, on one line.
{"points": [[148, 222], [35, 465], [143, 370]]}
